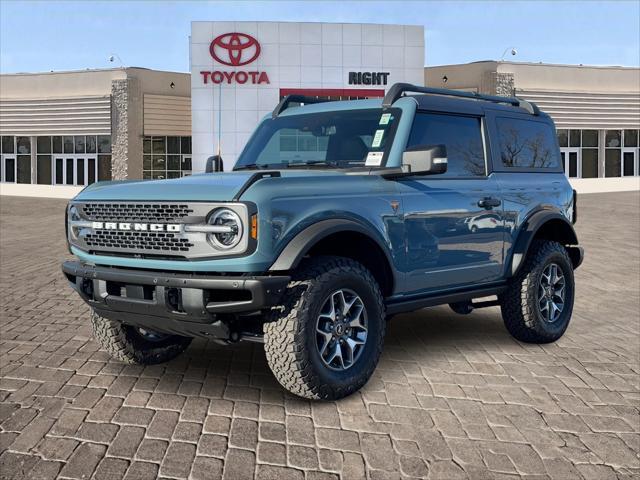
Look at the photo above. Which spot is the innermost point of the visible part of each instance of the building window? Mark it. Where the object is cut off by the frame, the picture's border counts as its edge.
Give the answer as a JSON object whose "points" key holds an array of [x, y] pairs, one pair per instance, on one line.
{"points": [[579, 152], [631, 153], [166, 157], [73, 159], [621, 153], [15, 159], [613, 153]]}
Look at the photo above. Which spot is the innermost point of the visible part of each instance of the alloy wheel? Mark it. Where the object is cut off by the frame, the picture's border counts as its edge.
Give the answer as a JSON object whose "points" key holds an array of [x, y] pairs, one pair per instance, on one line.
{"points": [[551, 293], [341, 329]]}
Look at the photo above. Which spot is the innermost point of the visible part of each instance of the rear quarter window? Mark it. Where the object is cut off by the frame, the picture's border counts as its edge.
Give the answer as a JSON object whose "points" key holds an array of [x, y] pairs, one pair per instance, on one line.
{"points": [[527, 144]]}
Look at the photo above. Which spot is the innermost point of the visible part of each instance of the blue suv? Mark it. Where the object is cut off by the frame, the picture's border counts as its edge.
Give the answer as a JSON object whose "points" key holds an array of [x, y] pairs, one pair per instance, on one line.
{"points": [[337, 216]]}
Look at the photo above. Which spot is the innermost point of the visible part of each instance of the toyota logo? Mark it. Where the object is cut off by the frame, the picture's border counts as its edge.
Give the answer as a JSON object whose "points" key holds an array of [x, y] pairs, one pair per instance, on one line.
{"points": [[234, 49]]}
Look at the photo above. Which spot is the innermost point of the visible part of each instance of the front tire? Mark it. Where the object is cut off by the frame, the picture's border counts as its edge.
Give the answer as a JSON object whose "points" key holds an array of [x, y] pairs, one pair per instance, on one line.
{"points": [[136, 346], [537, 306], [325, 341]]}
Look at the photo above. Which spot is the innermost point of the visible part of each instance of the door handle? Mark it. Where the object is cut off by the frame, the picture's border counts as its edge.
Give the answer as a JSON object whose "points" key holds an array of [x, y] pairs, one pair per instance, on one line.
{"points": [[488, 202]]}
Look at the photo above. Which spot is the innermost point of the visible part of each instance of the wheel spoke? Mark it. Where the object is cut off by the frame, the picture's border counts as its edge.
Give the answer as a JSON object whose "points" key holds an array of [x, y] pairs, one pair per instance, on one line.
{"points": [[337, 353], [349, 345], [356, 320], [349, 305], [546, 278], [326, 338], [341, 302], [544, 304], [331, 313]]}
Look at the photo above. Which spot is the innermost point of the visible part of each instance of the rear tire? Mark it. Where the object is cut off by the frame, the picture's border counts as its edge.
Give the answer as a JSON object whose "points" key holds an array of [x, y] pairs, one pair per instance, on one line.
{"points": [[537, 306], [129, 345], [332, 305]]}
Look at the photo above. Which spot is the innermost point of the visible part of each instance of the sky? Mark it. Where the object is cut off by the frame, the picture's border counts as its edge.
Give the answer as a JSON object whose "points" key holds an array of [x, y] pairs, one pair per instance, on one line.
{"points": [[44, 36]]}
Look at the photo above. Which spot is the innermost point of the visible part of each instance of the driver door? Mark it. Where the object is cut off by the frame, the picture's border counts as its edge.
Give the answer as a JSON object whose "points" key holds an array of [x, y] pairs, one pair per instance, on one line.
{"points": [[454, 223]]}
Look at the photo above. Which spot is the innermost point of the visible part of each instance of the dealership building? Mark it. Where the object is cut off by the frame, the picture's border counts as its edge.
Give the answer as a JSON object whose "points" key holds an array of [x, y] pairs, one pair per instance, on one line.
{"points": [[63, 130]]}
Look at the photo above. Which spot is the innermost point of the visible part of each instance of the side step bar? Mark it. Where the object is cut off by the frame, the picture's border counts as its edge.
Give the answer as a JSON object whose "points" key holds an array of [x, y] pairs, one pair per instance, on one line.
{"points": [[409, 305]]}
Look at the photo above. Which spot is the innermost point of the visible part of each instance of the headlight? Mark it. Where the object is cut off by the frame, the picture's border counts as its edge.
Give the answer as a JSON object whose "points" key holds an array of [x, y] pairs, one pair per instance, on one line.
{"points": [[73, 216], [230, 227]]}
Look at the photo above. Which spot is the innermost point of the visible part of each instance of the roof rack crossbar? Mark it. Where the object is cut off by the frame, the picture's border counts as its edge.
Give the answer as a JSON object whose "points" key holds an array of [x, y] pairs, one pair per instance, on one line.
{"points": [[399, 89], [284, 103]]}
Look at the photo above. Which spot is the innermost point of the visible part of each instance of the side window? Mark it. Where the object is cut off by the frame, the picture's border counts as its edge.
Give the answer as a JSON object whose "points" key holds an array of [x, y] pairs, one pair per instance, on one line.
{"points": [[527, 144], [461, 135]]}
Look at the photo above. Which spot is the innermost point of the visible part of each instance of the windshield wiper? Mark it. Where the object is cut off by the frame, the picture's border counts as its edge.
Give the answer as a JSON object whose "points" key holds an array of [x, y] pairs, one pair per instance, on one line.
{"points": [[266, 166], [258, 166], [313, 163]]}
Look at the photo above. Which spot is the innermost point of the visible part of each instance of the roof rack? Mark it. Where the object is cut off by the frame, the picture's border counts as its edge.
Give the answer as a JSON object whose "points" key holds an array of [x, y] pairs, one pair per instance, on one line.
{"points": [[398, 89], [284, 103]]}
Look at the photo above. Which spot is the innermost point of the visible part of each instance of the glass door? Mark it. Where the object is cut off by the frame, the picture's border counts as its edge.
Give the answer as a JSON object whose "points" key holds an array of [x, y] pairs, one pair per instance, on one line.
{"points": [[629, 162], [74, 170], [571, 162], [8, 172]]}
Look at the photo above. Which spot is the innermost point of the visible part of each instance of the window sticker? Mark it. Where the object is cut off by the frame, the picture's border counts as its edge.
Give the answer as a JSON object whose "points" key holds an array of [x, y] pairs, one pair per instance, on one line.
{"points": [[384, 119], [377, 139], [374, 159]]}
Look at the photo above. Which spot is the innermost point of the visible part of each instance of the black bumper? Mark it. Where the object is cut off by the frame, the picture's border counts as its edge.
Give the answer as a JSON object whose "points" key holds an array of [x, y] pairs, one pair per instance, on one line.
{"points": [[179, 303]]}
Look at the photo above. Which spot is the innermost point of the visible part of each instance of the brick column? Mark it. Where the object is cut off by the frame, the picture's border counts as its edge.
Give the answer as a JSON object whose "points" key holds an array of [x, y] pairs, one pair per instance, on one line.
{"points": [[496, 83], [119, 130], [126, 131]]}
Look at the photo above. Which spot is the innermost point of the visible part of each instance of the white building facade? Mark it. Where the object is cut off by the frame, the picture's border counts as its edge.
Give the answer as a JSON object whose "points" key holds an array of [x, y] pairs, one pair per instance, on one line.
{"points": [[240, 71]]}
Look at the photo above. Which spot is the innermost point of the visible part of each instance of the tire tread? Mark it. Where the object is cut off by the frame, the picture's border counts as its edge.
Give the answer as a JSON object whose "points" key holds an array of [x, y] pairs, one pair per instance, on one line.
{"points": [[117, 340]]}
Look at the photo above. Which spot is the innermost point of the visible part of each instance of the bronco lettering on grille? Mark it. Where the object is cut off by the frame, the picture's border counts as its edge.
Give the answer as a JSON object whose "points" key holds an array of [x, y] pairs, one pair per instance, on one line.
{"points": [[140, 227]]}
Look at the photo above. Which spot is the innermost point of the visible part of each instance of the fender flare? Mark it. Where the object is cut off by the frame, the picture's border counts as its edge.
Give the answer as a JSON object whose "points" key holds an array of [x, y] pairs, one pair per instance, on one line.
{"points": [[528, 231], [300, 245]]}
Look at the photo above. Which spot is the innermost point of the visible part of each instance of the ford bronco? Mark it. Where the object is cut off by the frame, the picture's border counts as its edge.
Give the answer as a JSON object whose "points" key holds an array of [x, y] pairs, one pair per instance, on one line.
{"points": [[337, 216]]}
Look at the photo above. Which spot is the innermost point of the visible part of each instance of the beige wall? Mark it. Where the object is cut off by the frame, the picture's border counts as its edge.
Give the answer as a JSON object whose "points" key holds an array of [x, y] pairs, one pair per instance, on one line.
{"points": [[466, 76], [57, 85], [571, 78], [534, 76]]}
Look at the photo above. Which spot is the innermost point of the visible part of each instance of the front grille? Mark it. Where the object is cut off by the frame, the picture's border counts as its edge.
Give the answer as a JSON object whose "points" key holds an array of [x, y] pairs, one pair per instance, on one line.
{"points": [[137, 241], [135, 212], [156, 229]]}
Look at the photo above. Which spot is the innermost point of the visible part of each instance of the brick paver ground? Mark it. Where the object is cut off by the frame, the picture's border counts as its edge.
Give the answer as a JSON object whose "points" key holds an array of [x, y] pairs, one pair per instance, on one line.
{"points": [[453, 396]]}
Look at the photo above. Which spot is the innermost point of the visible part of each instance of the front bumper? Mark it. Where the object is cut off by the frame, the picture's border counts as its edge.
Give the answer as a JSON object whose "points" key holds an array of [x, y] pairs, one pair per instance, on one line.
{"points": [[178, 303]]}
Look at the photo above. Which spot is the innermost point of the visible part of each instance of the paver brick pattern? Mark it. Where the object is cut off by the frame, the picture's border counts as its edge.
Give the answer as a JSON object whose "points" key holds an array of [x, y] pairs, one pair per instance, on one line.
{"points": [[453, 396]]}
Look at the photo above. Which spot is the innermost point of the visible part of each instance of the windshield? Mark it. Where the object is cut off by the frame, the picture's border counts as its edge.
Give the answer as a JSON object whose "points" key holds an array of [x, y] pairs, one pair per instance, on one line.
{"points": [[337, 139]]}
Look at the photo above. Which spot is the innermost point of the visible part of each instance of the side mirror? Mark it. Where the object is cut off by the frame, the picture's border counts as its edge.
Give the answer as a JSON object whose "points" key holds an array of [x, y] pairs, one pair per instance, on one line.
{"points": [[425, 160], [214, 164]]}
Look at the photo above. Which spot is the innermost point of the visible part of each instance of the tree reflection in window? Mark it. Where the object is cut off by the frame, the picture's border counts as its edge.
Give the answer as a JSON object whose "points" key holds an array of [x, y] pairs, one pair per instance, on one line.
{"points": [[527, 144], [461, 135]]}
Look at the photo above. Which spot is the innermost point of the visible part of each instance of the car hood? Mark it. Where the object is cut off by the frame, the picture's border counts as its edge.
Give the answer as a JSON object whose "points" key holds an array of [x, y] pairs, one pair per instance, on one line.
{"points": [[202, 187]]}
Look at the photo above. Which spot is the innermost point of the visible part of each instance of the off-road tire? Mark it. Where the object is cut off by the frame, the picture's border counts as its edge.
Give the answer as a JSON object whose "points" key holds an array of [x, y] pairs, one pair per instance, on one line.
{"points": [[519, 303], [124, 343], [290, 335]]}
